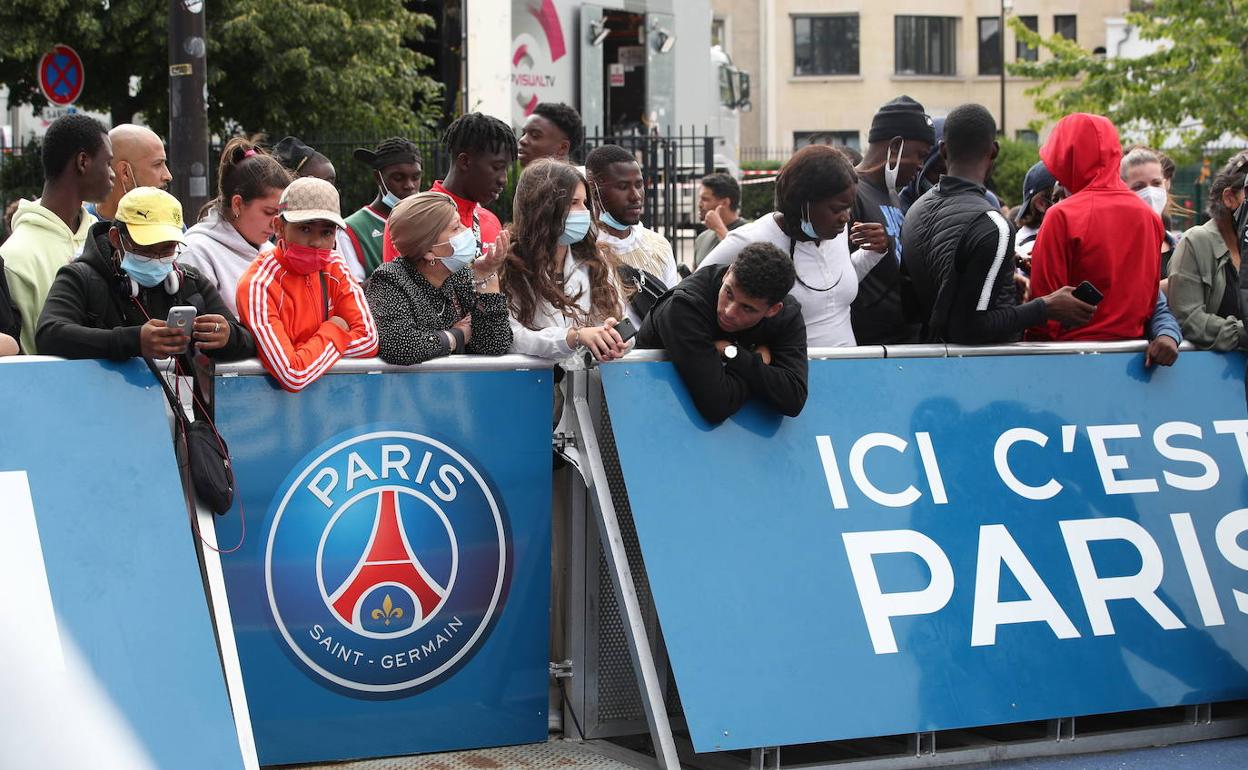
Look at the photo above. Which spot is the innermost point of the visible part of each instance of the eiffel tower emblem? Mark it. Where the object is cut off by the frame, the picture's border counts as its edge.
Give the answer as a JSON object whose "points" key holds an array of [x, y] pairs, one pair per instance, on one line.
{"points": [[387, 560]]}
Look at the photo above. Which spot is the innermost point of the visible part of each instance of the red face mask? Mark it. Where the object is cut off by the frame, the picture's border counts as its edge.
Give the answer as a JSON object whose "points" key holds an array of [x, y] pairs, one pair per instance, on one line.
{"points": [[304, 259]]}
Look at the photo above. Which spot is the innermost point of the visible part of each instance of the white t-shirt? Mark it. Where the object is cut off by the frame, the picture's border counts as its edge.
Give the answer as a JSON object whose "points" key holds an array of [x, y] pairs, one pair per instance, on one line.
{"points": [[1023, 240], [827, 276]]}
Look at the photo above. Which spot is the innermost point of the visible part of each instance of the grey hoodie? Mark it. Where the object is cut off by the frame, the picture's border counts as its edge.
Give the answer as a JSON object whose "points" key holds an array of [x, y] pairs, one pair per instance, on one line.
{"points": [[217, 250]]}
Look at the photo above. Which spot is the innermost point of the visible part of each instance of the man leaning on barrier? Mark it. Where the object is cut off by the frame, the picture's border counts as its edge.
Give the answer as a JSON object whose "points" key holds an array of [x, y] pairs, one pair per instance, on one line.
{"points": [[733, 333], [112, 302]]}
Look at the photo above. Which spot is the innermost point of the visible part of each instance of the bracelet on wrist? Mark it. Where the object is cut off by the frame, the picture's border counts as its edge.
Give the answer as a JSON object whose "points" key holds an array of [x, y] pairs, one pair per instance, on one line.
{"points": [[478, 283]]}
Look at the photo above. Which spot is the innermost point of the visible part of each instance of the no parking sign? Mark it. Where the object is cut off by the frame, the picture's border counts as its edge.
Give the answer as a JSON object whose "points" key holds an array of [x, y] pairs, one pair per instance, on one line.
{"points": [[61, 75]]}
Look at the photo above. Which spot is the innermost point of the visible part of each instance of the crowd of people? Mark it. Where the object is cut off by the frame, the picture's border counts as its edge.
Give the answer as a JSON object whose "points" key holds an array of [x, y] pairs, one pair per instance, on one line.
{"points": [[902, 244]]}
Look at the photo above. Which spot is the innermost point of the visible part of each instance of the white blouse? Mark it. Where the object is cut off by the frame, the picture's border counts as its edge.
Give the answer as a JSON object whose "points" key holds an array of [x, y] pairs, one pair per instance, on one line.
{"points": [[549, 340]]}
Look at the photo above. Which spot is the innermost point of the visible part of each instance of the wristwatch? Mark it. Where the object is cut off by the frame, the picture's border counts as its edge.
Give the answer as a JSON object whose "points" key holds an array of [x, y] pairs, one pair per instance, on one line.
{"points": [[730, 352]]}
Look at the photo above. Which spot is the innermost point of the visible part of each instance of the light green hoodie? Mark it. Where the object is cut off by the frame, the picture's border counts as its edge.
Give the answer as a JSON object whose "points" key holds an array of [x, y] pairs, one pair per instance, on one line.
{"points": [[40, 245]]}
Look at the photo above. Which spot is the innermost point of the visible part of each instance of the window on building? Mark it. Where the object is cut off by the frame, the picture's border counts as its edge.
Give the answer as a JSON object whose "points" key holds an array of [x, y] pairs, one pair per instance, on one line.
{"points": [[825, 45], [719, 32], [1066, 26], [1027, 135], [1022, 51], [926, 45], [990, 45], [842, 138]]}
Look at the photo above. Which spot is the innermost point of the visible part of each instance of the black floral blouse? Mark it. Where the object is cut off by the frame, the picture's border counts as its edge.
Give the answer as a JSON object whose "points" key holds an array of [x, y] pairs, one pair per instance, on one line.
{"points": [[413, 317]]}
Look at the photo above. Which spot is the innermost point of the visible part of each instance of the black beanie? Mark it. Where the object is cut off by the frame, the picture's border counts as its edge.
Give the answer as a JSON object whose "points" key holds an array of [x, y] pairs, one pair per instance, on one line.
{"points": [[902, 117]]}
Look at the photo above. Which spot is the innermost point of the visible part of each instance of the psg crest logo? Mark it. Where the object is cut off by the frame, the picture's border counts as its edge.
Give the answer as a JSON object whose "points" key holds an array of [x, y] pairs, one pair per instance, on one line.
{"points": [[387, 561]]}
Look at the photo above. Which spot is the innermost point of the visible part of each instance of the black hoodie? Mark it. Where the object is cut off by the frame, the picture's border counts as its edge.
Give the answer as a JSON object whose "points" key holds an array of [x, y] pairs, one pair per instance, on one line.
{"points": [[90, 313], [684, 321]]}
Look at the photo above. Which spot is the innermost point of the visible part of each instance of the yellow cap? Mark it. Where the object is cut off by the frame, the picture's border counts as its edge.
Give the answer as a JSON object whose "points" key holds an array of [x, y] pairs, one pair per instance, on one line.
{"points": [[151, 216]]}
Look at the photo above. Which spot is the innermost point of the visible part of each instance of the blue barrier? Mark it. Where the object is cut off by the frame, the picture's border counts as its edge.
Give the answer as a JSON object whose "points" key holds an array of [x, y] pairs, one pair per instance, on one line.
{"points": [[937, 544], [391, 594], [86, 450]]}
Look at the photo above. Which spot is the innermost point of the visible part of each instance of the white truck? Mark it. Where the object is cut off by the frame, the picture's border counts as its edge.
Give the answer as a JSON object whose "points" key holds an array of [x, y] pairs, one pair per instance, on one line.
{"points": [[631, 66]]}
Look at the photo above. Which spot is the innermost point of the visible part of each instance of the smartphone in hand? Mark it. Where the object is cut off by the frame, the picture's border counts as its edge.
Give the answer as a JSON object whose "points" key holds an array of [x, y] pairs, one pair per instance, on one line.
{"points": [[626, 329], [1086, 292], [182, 318]]}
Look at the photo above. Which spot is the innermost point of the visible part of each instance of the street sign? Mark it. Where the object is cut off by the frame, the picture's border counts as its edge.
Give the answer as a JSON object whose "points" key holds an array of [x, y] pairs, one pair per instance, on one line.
{"points": [[61, 75]]}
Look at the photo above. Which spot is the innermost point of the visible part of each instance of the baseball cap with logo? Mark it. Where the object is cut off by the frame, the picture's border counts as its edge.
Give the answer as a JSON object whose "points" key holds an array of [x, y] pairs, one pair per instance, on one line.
{"points": [[151, 216], [309, 198]]}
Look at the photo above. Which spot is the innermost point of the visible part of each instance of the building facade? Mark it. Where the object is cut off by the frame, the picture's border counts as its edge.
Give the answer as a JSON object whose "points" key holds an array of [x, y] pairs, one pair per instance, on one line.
{"points": [[821, 68]]}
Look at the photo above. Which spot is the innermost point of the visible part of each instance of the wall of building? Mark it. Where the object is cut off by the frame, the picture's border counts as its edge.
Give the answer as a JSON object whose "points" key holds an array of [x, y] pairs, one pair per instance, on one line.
{"points": [[762, 35]]}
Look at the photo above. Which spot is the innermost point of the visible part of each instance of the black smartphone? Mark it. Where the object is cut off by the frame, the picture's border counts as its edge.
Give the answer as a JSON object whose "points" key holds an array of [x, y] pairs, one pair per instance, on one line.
{"points": [[1086, 292], [625, 329]]}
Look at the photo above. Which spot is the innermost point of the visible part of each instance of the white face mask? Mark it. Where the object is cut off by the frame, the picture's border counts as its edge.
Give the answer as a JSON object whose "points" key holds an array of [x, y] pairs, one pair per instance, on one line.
{"points": [[891, 169], [1155, 197]]}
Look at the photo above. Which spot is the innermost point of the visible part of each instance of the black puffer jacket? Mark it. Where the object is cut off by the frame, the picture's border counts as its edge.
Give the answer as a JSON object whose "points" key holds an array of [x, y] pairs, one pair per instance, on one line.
{"points": [[936, 239], [90, 313]]}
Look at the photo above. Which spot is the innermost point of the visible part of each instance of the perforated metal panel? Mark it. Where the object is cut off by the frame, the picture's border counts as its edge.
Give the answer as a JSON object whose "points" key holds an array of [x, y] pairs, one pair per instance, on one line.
{"points": [[614, 705]]}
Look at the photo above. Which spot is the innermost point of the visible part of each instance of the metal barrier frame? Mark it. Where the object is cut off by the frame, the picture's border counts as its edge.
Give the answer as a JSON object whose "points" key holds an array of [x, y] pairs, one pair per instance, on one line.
{"points": [[584, 395]]}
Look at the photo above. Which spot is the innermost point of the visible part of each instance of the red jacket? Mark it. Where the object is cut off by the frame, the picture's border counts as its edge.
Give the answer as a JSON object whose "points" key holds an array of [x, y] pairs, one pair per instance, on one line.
{"points": [[287, 315], [490, 226], [1103, 233]]}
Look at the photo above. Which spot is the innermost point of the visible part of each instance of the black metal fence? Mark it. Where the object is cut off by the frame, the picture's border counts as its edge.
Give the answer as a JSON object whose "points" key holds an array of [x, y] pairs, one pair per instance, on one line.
{"points": [[672, 164]]}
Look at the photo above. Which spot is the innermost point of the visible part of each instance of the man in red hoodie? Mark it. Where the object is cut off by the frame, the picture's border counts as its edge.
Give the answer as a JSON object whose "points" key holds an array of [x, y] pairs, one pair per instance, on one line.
{"points": [[1103, 233]]}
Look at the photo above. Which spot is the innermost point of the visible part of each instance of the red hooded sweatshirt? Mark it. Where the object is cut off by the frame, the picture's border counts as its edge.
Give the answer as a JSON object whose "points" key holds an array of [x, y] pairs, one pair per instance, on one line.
{"points": [[1103, 233]]}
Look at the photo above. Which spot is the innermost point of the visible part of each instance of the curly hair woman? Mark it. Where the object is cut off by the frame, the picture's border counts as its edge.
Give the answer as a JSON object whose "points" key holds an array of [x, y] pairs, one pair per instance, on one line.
{"points": [[561, 285]]}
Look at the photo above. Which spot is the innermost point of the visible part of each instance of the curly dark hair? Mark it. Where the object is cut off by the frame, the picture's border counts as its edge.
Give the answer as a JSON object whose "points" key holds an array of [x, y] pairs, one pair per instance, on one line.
{"points": [[764, 271], [814, 173], [566, 120], [475, 133], [530, 274]]}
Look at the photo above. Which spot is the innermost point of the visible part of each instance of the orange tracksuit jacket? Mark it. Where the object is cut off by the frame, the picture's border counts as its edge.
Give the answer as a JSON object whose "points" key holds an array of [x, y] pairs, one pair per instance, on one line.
{"points": [[286, 314]]}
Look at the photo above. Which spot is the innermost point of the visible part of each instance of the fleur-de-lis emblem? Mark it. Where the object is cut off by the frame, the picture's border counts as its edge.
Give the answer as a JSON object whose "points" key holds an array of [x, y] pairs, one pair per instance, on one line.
{"points": [[388, 611]]}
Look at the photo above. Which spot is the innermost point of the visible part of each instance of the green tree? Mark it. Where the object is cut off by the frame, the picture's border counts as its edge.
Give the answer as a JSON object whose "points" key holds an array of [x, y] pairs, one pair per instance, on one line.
{"points": [[273, 65], [1012, 164], [334, 66], [1196, 82]]}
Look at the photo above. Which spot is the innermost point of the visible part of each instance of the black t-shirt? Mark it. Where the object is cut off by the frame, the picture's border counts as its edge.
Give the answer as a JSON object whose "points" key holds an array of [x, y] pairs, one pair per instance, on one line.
{"points": [[879, 313]]}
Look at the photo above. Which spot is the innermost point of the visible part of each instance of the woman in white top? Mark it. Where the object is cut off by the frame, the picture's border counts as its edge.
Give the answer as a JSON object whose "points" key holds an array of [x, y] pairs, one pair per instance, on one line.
{"points": [[814, 194], [236, 226], [561, 285]]}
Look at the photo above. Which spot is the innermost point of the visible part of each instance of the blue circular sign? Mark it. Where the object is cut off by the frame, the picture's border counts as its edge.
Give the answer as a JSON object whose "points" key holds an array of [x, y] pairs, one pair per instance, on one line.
{"points": [[386, 562]]}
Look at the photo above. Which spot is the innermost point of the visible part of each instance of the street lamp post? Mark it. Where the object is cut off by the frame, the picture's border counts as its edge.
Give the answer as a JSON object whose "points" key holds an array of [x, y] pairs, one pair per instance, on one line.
{"points": [[1006, 7], [188, 113]]}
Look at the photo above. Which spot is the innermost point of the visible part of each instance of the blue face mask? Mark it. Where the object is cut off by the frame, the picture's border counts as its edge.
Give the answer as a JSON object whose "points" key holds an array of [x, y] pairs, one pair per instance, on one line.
{"points": [[575, 227], [610, 221], [807, 228], [389, 199], [464, 250], [147, 272]]}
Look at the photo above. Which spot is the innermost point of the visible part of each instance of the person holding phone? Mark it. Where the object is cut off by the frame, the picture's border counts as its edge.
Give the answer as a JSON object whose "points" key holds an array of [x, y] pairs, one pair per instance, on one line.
{"points": [[734, 333], [958, 249], [115, 301], [562, 290], [438, 299]]}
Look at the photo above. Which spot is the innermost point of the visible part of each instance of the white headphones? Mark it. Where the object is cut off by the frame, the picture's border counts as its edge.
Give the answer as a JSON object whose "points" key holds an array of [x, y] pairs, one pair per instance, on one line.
{"points": [[172, 283]]}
